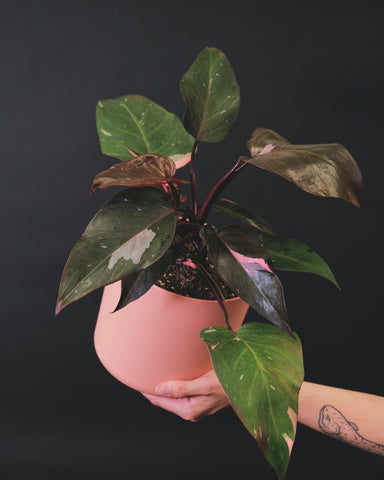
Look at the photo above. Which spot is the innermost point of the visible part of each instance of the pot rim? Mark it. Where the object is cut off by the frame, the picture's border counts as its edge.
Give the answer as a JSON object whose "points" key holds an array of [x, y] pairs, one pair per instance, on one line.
{"points": [[194, 298]]}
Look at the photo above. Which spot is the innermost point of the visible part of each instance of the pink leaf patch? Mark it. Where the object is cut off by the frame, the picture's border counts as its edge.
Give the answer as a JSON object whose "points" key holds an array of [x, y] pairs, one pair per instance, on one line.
{"points": [[251, 264]]}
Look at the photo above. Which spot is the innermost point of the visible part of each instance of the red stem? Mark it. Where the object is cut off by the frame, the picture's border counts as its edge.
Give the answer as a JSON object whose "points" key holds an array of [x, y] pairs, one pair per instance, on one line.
{"points": [[217, 190], [173, 194], [193, 178], [213, 285]]}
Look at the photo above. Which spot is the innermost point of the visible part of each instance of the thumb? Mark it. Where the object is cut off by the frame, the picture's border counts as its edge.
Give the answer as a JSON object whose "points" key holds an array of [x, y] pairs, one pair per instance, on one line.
{"points": [[181, 388]]}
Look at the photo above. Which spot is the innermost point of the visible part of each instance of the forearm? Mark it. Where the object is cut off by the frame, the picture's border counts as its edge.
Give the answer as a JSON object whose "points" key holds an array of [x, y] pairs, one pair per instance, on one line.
{"points": [[352, 417]]}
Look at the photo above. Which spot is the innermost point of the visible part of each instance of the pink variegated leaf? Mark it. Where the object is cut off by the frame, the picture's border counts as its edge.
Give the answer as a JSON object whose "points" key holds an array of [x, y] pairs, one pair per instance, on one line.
{"points": [[327, 170], [141, 171], [250, 277]]}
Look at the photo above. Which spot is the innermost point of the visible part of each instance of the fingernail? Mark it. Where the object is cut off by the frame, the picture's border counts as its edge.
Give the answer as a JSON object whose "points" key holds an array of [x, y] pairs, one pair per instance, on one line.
{"points": [[163, 389]]}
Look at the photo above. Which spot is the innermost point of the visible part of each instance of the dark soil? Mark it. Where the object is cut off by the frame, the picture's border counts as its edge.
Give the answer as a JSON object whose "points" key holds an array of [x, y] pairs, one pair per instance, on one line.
{"points": [[190, 282]]}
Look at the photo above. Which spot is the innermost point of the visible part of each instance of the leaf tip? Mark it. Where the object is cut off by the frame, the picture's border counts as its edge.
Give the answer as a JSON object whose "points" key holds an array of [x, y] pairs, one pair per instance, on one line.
{"points": [[360, 203], [92, 191], [132, 152], [123, 302], [59, 307], [331, 277]]}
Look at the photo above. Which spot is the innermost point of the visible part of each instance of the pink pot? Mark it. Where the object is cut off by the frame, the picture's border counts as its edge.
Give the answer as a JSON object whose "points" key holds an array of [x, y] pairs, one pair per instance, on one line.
{"points": [[157, 337]]}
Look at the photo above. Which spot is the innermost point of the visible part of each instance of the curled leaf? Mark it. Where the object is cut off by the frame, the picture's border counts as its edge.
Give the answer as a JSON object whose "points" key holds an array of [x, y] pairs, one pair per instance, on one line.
{"points": [[327, 170], [141, 171]]}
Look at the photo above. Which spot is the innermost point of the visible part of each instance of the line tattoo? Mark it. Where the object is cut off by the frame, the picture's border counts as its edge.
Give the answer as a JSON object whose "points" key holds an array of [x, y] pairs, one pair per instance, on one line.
{"points": [[332, 422]]}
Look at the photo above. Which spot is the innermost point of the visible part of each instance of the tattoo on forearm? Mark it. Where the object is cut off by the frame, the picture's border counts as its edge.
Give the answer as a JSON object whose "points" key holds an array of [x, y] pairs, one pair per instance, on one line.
{"points": [[332, 422]]}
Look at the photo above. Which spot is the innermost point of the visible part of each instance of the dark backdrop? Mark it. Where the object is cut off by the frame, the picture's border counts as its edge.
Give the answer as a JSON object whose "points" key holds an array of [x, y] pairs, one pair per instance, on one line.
{"points": [[314, 74]]}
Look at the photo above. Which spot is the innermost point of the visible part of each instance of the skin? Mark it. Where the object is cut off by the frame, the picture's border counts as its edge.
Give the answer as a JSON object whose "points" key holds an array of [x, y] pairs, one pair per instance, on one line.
{"points": [[351, 417]]}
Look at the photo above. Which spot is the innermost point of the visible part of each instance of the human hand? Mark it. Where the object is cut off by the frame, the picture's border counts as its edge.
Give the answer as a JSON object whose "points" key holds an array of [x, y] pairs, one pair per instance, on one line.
{"points": [[193, 399]]}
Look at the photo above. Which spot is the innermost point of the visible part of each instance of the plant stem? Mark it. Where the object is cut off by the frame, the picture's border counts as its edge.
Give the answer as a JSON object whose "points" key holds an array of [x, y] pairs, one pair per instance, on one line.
{"points": [[216, 290], [193, 177], [217, 190], [213, 285], [185, 238], [173, 194]]}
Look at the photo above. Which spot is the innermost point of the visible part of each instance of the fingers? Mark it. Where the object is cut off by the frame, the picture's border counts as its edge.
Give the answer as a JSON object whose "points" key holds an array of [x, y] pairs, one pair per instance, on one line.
{"points": [[180, 389], [191, 400], [207, 384], [192, 409]]}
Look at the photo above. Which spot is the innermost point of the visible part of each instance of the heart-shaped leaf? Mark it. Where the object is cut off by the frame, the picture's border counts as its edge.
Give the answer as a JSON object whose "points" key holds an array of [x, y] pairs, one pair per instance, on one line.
{"points": [[129, 233], [249, 277], [327, 170], [138, 283], [142, 125], [212, 96], [239, 212], [261, 370], [142, 171], [292, 255]]}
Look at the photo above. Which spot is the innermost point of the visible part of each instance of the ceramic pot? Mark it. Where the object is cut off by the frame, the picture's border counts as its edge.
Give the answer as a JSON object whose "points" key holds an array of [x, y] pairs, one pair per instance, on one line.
{"points": [[157, 337]]}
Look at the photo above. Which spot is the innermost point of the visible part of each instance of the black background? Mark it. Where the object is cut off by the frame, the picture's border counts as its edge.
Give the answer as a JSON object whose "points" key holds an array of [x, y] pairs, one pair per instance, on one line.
{"points": [[314, 74]]}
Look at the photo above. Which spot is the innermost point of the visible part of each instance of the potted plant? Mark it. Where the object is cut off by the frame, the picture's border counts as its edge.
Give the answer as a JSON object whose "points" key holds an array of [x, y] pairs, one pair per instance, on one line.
{"points": [[151, 233]]}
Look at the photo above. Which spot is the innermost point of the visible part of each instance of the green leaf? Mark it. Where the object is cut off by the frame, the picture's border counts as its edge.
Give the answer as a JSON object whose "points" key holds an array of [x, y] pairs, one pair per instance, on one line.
{"points": [[261, 371], [212, 96], [240, 240], [142, 171], [327, 170], [239, 212], [141, 125], [129, 233], [294, 256], [138, 283], [250, 278]]}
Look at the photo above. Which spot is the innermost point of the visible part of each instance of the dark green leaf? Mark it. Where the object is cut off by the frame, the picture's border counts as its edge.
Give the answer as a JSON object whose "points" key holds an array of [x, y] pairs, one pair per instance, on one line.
{"points": [[250, 278], [261, 370], [292, 255], [144, 170], [212, 96], [327, 170], [240, 240], [138, 283], [129, 233], [241, 213], [143, 126]]}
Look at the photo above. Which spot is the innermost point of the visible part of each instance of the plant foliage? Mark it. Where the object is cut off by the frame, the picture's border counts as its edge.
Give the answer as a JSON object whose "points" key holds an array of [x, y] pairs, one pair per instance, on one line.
{"points": [[261, 370], [144, 228]]}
